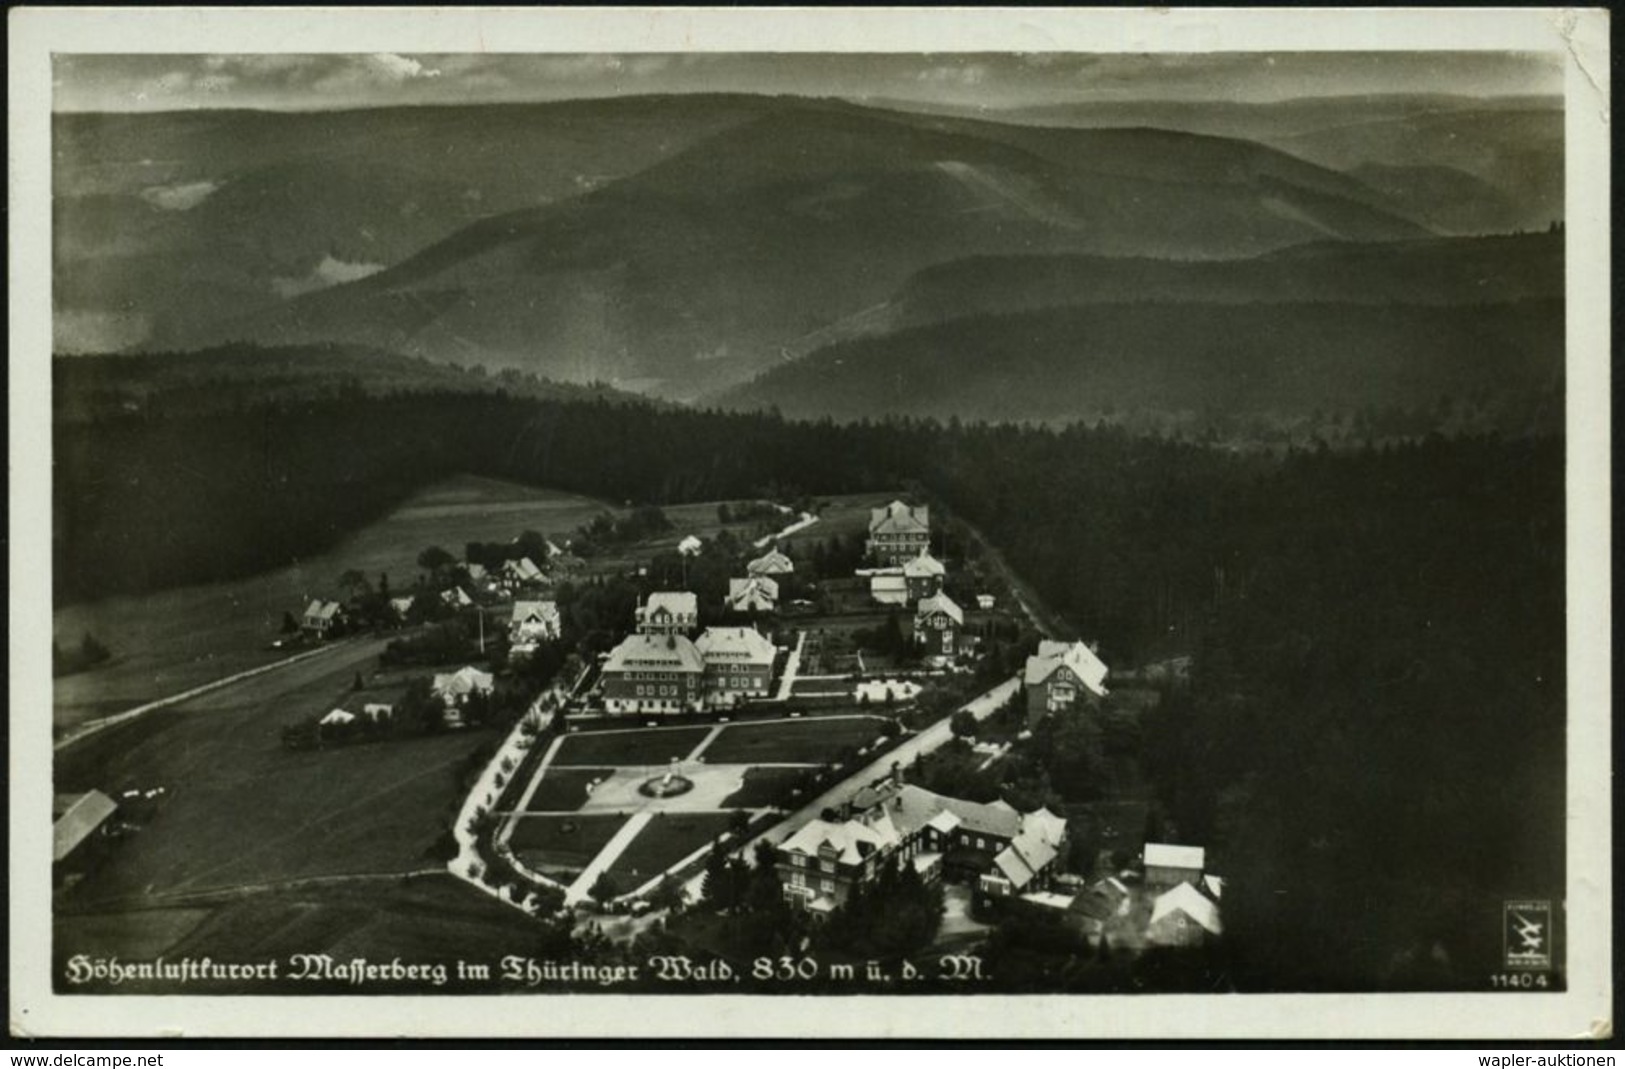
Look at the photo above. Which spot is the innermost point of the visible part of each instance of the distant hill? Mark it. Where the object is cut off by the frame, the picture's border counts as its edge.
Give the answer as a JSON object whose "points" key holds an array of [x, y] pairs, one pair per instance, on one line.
{"points": [[1433, 271], [1285, 361], [723, 259], [164, 221], [85, 387], [1474, 165]]}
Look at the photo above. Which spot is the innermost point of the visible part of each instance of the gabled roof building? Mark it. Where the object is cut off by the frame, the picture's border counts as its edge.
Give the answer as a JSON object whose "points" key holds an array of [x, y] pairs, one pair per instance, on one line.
{"points": [[1062, 676], [897, 532]]}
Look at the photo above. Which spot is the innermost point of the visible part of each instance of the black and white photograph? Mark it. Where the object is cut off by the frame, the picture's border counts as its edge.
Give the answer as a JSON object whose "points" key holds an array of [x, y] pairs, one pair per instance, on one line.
{"points": [[811, 510]]}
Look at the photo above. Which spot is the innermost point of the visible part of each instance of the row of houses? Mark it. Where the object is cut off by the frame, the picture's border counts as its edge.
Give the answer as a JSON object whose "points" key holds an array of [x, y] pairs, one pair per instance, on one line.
{"points": [[1003, 850], [1176, 903]]}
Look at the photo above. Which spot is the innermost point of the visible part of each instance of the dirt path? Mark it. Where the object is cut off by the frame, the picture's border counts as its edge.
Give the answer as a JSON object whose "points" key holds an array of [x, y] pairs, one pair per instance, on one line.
{"points": [[1048, 621]]}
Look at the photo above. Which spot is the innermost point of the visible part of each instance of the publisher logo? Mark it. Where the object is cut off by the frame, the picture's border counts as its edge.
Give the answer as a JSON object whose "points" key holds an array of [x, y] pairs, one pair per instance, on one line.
{"points": [[1527, 934]]}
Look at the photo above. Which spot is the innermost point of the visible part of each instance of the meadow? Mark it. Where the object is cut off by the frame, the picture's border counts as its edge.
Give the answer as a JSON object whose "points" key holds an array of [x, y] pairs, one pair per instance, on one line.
{"points": [[169, 641]]}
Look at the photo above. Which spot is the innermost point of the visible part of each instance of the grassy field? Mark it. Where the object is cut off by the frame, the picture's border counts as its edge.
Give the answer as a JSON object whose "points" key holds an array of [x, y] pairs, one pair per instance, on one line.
{"points": [[557, 845], [563, 789], [240, 810], [666, 840], [842, 514], [623, 749], [782, 741], [173, 640], [765, 787]]}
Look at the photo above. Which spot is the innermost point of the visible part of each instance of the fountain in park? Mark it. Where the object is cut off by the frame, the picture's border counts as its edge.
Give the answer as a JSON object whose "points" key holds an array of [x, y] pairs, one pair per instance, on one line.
{"points": [[668, 785]]}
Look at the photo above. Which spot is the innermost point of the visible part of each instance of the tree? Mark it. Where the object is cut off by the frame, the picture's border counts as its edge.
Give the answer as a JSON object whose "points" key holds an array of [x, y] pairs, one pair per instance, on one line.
{"points": [[290, 626], [668, 894], [354, 584], [92, 651], [435, 560], [604, 889], [963, 724]]}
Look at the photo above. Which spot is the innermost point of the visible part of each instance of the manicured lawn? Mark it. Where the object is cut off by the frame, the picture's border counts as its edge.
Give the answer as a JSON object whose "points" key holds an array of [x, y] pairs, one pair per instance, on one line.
{"points": [[625, 749], [553, 845], [663, 842], [564, 788], [766, 787], [812, 741]]}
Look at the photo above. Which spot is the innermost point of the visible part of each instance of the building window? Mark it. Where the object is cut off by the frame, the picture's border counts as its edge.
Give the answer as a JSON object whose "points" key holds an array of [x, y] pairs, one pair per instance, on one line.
{"points": [[827, 886], [797, 880], [827, 866], [798, 860]]}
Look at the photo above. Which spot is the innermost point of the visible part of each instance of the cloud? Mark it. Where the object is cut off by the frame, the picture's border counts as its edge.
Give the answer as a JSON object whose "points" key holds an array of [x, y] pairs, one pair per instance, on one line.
{"points": [[330, 272], [397, 68], [954, 74], [181, 197]]}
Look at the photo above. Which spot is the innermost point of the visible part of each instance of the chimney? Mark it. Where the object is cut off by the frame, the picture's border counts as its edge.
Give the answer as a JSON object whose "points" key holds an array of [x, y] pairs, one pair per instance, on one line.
{"points": [[897, 773], [671, 641]]}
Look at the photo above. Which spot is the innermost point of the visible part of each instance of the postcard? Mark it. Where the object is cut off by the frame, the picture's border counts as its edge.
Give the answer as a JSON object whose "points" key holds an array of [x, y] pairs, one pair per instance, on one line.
{"points": [[1008, 523]]}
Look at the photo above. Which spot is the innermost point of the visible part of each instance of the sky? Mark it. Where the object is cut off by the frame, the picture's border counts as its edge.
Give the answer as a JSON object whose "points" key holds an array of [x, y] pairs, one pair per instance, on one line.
{"points": [[306, 81]]}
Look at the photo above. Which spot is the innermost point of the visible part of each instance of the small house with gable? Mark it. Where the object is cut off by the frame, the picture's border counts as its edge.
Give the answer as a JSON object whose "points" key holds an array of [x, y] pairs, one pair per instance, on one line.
{"points": [[753, 594], [1062, 676], [937, 624]]}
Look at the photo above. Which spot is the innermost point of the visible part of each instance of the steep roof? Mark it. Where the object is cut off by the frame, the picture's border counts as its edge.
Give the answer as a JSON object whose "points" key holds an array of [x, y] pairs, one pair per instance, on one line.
{"points": [[537, 612], [923, 566], [339, 716], [322, 610], [1169, 856], [690, 545], [1077, 657], [899, 518], [771, 563], [940, 603], [735, 645], [751, 589], [1183, 898], [523, 568], [1034, 850], [642, 653], [675, 602], [911, 808], [80, 816], [847, 838], [1027, 855], [464, 681]]}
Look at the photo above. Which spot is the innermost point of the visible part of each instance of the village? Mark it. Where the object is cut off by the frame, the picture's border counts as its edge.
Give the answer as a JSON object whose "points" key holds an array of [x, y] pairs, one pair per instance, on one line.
{"points": [[812, 709]]}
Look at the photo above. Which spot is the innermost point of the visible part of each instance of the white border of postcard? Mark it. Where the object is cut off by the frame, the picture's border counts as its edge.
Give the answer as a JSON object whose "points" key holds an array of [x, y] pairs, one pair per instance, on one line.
{"points": [[1579, 37]]}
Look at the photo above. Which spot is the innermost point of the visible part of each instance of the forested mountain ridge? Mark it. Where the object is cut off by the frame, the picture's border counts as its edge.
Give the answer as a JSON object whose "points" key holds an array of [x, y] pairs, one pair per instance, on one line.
{"points": [[752, 228], [1337, 370], [1440, 271], [237, 377]]}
